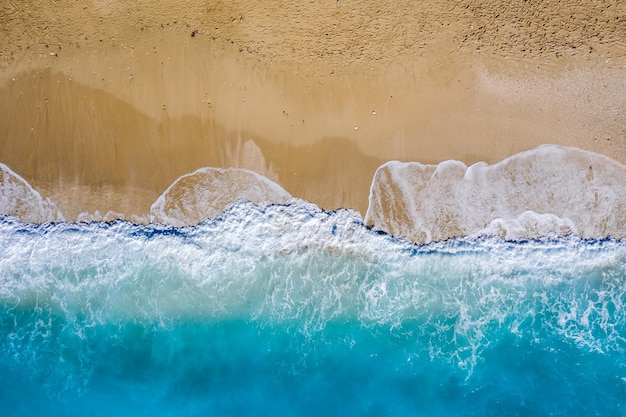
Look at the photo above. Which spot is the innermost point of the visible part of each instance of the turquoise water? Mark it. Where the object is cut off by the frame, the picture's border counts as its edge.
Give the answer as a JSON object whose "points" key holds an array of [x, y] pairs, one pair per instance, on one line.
{"points": [[288, 310]]}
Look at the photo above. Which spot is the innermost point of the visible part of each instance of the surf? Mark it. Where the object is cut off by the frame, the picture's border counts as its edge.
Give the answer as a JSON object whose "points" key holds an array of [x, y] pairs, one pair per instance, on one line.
{"points": [[221, 306], [290, 309]]}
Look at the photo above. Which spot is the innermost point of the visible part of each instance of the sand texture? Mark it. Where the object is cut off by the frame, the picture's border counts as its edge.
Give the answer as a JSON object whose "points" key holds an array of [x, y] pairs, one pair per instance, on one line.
{"points": [[104, 104]]}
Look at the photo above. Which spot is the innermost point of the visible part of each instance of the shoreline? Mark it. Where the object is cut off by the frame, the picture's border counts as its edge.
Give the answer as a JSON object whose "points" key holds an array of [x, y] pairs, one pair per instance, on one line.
{"points": [[549, 191]]}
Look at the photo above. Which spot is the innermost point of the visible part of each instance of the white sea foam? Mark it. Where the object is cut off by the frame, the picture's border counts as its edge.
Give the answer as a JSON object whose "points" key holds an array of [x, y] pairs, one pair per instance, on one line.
{"points": [[19, 199], [298, 266], [288, 286], [109, 216], [207, 192], [547, 190], [550, 190]]}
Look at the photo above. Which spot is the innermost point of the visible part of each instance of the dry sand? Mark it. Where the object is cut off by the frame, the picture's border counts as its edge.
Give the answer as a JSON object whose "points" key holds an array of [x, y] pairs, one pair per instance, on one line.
{"points": [[103, 104]]}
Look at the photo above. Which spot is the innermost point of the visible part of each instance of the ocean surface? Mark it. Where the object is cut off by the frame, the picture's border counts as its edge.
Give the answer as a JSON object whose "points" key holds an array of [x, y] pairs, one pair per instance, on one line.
{"points": [[289, 310]]}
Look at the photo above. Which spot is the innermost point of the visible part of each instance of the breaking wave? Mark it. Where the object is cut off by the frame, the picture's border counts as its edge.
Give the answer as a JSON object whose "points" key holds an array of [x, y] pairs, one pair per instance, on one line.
{"points": [[288, 304]]}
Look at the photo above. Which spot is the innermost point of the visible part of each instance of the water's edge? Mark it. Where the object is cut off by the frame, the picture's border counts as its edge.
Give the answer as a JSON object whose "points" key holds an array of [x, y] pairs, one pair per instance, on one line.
{"points": [[548, 191]]}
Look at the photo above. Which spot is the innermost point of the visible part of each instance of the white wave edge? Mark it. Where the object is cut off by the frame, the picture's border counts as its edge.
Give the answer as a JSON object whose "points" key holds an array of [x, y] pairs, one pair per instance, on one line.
{"points": [[444, 207], [208, 192], [19, 199], [549, 190]]}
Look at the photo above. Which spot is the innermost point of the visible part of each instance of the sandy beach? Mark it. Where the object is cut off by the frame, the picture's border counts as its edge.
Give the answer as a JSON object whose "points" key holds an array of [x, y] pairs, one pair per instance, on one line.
{"points": [[104, 104]]}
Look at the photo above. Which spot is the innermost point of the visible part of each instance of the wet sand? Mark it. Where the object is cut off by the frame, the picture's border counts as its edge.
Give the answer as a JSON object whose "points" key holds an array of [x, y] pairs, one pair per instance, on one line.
{"points": [[103, 106]]}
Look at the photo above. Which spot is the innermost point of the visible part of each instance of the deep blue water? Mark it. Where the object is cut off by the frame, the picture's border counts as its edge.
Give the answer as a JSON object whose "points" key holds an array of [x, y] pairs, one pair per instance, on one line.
{"points": [[293, 311]]}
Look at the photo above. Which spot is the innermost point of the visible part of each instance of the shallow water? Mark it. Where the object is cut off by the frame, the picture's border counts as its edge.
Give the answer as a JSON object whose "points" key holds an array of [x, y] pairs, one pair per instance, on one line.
{"points": [[290, 310]]}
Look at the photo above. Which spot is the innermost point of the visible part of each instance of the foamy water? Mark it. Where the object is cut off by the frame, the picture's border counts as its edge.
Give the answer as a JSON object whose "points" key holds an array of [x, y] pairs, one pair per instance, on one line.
{"points": [[287, 309], [290, 310], [551, 190], [548, 191], [207, 192], [19, 199]]}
